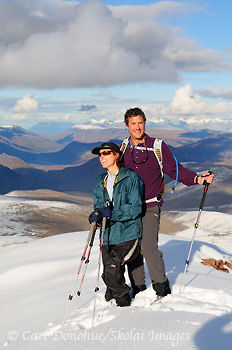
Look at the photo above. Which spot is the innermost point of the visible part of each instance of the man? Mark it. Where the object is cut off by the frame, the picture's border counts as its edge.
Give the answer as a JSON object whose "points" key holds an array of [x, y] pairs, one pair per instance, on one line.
{"points": [[139, 156]]}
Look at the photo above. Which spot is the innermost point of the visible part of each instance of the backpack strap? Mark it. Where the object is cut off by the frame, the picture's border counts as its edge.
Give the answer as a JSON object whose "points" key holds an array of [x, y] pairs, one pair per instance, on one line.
{"points": [[124, 146], [158, 152], [157, 148]]}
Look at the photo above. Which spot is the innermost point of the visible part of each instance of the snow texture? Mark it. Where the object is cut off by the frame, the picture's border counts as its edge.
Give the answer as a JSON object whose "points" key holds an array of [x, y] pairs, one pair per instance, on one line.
{"points": [[37, 278]]}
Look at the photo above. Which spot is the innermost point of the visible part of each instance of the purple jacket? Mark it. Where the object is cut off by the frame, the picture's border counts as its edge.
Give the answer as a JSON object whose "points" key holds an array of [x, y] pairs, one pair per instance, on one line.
{"points": [[149, 170]]}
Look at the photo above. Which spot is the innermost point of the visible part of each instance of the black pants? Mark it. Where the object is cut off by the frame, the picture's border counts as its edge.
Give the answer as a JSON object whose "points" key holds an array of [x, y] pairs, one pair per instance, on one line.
{"points": [[113, 257]]}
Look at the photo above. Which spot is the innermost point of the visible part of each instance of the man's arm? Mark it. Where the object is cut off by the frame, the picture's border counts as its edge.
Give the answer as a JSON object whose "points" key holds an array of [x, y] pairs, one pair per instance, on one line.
{"points": [[186, 176]]}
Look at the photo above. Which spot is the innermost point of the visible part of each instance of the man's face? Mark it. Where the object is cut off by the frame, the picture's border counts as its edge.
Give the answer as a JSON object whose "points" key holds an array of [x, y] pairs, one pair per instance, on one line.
{"points": [[136, 128]]}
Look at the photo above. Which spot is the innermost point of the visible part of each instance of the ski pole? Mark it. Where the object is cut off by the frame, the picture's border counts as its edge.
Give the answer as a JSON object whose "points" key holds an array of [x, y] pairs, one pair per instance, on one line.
{"points": [[206, 187], [99, 268], [91, 232], [92, 229], [86, 263], [100, 250], [107, 204]]}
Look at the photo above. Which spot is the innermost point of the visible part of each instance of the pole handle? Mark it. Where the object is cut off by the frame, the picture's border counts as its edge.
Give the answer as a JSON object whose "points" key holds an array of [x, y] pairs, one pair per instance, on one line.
{"points": [[205, 183], [206, 187]]}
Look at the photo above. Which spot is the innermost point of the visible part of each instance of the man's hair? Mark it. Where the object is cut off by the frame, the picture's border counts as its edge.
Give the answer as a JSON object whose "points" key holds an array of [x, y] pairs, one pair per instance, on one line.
{"points": [[134, 112]]}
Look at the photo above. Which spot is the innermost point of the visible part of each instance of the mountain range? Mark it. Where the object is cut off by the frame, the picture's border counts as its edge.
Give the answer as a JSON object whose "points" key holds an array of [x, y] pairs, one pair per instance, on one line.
{"points": [[52, 150], [24, 140], [81, 179], [72, 167], [51, 127]]}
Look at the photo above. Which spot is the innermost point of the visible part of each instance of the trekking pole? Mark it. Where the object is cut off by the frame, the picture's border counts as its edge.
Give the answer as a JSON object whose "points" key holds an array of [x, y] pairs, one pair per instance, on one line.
{"points": [[206, 187], [99, 268], [91, 232], [107, 204], [87, 261]]}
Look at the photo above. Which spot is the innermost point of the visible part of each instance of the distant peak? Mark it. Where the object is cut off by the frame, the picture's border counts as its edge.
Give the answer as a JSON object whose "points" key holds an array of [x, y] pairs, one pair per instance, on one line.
{"points": [[86, 127], [7, 126]]}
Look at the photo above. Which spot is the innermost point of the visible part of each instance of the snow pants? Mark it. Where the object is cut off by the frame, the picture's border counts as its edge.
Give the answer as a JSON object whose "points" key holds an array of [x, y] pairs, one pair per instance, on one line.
{"points": [[114, 258]]}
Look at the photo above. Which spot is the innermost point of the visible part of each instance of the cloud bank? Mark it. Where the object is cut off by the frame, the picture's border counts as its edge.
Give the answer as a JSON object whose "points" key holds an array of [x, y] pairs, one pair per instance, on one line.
{"points": [[51, 44], [185, 111]]}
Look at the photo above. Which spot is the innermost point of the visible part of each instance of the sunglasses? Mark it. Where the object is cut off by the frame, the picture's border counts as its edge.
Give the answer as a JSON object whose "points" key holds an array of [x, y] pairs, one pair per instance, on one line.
{"points": [[105, 153]]}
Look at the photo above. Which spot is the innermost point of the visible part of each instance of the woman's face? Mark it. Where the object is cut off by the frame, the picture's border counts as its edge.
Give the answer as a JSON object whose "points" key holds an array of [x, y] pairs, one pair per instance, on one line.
{"points": [[107, 158]]}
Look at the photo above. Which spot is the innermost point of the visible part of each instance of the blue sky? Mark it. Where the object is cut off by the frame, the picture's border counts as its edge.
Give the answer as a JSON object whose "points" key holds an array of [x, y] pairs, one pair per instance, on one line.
{"points": [[88, 61]]}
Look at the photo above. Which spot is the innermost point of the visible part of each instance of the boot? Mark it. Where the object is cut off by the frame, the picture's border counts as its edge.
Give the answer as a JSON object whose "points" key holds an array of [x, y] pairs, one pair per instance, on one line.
{"points": [[162, 289], [108, 294], [125, 300], [137, 289]]}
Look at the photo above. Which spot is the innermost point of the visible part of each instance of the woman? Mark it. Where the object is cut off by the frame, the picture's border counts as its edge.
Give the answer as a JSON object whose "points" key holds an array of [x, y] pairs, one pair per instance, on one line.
{"points": [[123, 189]]}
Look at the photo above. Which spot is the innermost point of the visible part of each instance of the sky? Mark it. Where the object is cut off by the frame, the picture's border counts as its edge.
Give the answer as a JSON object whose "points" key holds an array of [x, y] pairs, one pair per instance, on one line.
{"points": [[88, 61]]}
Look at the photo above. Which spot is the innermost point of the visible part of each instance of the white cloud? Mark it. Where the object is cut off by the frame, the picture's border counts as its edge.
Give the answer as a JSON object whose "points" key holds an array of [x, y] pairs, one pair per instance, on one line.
{"points": [[67, 116], [51, 117], [20, 19], [17, 117], [161, 9], [216, 92], [157, 120], [188, 102], [26, 104], [185, 102], [66, 44]]}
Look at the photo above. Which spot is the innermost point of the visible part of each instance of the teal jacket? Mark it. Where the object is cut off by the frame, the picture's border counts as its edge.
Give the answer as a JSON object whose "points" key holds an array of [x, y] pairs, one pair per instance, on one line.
{"points": [[127, 206]]}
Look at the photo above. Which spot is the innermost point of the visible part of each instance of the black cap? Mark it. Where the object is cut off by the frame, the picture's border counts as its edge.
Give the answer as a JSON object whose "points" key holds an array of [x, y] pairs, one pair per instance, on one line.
{"points": [[107, 145]]}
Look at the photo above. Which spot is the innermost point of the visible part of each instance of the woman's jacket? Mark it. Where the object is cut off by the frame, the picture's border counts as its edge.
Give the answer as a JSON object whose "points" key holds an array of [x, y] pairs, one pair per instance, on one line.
{"points": [[125, 223]]}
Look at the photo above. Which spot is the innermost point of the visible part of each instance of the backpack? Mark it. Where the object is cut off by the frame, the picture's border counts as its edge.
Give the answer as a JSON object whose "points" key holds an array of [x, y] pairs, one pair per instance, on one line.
{"points": [[157, 149]]}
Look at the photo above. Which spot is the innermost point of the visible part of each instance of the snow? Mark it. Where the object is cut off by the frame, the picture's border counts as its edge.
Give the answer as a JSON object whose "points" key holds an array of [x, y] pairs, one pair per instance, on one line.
{"points": [[214, 227], [16, 211], [86, 127], [37, 278]]}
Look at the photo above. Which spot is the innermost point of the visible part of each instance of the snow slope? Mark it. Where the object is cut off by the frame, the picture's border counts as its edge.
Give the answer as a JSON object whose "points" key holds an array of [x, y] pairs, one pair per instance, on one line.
{"points": [[214, 227], [23, 220], [37, 278]]}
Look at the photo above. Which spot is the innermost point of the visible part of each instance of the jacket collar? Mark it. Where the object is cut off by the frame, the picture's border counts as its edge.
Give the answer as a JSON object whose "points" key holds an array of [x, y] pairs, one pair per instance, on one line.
{"points": [[123, 173]]}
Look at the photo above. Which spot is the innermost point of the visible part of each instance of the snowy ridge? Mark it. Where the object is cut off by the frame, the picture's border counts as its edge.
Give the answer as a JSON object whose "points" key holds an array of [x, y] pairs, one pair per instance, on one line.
{"points": [[22, 219], [37, 278], [86, 127], [215, 227]]}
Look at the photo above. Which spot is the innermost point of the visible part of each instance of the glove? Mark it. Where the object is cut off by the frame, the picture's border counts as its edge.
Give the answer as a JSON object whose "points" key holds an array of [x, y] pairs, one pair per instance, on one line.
{"points": [[106, 212], [95, 217]]}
